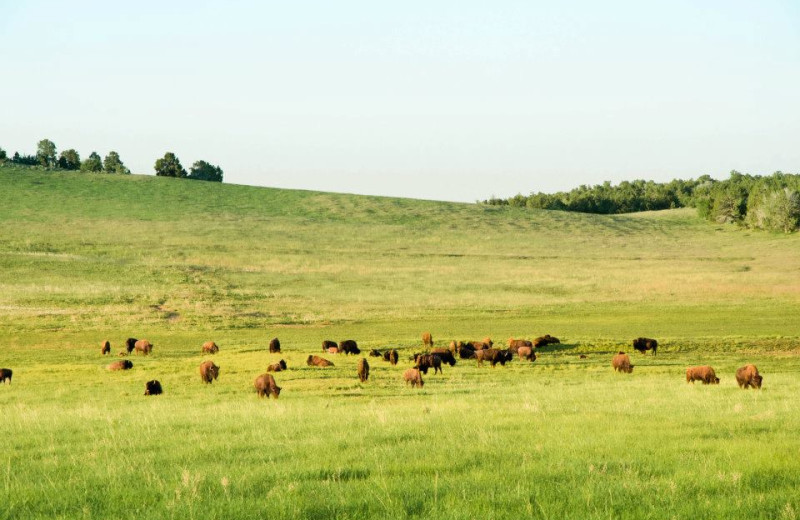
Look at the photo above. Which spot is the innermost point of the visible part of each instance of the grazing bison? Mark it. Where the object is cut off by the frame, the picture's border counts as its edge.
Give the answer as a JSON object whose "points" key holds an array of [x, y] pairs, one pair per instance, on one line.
{"points": [[363, 370], [130, 344], [317, 361], [748, 377], [274, 346], [5, 375], [426, 361], [413, 376], [391, 356], [349, 346], [645, 344], [375, 353], [455, 346], [493, 356], [280, 366], [515, 344], [703, 373], [526, 353], [622, 363], [153, 388], [265, 386], [333, 350], [427, 339], [445, 355], [327, 345], [466, 353], [208, 371], [143, 346], [105, 348], [209, 347], [125, 364]]}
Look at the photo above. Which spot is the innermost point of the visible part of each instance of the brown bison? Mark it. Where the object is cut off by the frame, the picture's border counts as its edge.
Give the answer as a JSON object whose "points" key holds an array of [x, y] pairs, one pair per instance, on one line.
{"points": [[515, 344], [349, 346], [477, 345], [5, 375], [265, 386], [143, 346], [208, 371], [280, 366], [123, 353], [526, 353], [413, 376], [105, 348], [748, 377], [209, 347], [375, 353], [445, 355], [487, 340], [333, 350], [274, 346], [493, 356], [392, 356], [454, 346], [645, 344], [317, 361], [327, 345], [130, 344], [703, 373], [363, 370], [622, 363], [426, 361], [153, 388], [125, 364], [545, 340], [427, 339]]}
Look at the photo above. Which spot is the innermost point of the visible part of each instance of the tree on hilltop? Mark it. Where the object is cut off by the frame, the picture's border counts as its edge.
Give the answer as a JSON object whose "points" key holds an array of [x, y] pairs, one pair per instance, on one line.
{"points": [[203, 171], [92, 164], [69, 160], [113, 164], [169, 166], [46, 152]]}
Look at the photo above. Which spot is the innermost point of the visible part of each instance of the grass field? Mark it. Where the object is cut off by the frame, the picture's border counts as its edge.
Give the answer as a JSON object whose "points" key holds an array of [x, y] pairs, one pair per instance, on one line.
{"points": [[85, 258]]}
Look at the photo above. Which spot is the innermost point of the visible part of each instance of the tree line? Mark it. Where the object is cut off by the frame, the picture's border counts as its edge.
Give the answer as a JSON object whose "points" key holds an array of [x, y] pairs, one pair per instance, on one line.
{"points": [[761, 202], [168, 166]]}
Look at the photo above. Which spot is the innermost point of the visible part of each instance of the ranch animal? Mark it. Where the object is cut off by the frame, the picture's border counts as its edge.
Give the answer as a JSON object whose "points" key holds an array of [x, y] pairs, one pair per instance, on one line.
{"points": [[493, 356], [526, 353], [413, 376], [265, 386], [317, 361], [105, 348], [622, 363], [515, 344], [124, 364], [349, 346], [153, 388], [333, 350], [391, 356], [5, 375], [454, 346], [130, 344], [487, 340], [702, 373], [645, 344], [477, 345], [375, 353], [748, 377], [543, 341], [280, 366], [466, 353], [209, 347], [143, 346], [427, 339], [208, 371], [363, 370], [426, 361], [328, 344], [445, 355], [274, 346]]}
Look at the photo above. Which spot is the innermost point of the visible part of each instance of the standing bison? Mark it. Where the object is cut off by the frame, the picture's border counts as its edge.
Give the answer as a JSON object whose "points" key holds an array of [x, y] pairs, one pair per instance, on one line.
{"points": [[5, 375], [143, 346], [280, 366], [526, 353], [413, 377], [426, 361], [105, 348], [702, 373], [349, 346], [275, 346], [427, 339], [130, 344], [125, 364], [265, 386], [363, 370], [391, 356], [316, 361], [209, 347], [153, 388], [515, 344], [208, 371], [748, 377], [622, 363], [327, 345], [445, 355], [645, 344], [493, 356]]}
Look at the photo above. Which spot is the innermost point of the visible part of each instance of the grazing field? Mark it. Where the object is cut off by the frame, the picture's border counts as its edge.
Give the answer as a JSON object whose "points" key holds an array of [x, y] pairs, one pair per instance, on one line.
{"points": [[84, 258]]}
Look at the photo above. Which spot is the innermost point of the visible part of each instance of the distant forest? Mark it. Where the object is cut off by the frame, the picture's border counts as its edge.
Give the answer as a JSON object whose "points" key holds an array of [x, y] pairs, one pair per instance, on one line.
{"points": [[760, 202]]}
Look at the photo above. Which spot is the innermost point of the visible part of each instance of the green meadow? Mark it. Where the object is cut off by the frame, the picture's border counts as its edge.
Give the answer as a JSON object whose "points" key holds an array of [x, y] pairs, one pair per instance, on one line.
{"points": [[85, 258]]}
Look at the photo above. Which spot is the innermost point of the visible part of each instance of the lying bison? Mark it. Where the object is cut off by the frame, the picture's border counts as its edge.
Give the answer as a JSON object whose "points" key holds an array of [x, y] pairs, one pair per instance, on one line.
{"points": [[130, 344], [526, 353], [327, 345], [317, 361], [426, 361], [280, 366], [125, 364], [105, 348], [543, 341], [375, 353], [208, 371], [143, 346], [645, 344], [153, 388], [265, 386], [493, 356], [703, 373], [622, 363], [363, 370], [445, 355], [515, 344], [209, 347], [427, 339], [748, 377], [5, 375], [274, 346], [413, 376], [349, 346]]}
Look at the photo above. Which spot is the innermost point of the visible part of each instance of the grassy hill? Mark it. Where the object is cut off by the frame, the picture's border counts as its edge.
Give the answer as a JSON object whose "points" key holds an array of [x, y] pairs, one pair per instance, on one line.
{"points": [[85, 258]]}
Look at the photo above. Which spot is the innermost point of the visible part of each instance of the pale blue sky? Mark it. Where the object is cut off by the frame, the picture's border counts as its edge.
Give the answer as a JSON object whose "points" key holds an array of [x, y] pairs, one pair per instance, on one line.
{"points": [[453, 100]]}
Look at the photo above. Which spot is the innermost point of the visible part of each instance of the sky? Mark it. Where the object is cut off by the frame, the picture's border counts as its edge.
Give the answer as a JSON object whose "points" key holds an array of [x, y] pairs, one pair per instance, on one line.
{"points": [[435, 99]]}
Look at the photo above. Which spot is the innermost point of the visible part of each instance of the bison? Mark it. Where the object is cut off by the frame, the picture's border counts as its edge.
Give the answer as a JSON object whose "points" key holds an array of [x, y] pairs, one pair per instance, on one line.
{"points": [[515, 344], [466, 353], [703, 373], [622, 363], [143, 346], [153, 388], [280, 366], [328, 344], [748, 377], [392, 356], [363, 370], [317, 361], [349, 346], [427, 339], [5, 375], [208, 371], [426, 361], [333, 350], [477, 345], [413, 376], [209, 347], [130, 344], [105, 348], [265, 386], [526, 353], [493, 356], [274, 346], [445, 355], [645, 344], [375, 353], [125, 364], [543, 341]]}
